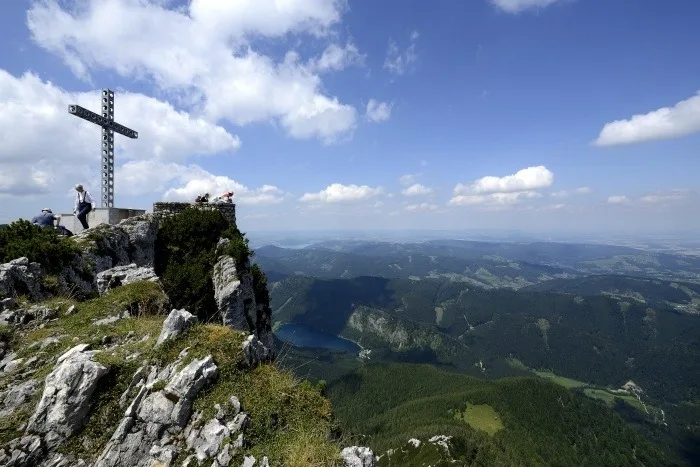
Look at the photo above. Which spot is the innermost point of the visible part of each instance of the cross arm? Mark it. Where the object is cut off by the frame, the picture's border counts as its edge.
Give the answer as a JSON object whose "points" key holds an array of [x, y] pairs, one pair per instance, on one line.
{"points": [[97, 119]]}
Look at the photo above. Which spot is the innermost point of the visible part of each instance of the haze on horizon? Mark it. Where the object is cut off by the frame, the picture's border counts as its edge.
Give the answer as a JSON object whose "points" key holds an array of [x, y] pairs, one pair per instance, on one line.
{"points": [[538, 116]]}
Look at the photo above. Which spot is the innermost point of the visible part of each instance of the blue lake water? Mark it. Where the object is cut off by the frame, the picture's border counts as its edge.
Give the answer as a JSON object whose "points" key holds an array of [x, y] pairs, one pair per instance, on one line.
{"points": [[301, 335]]}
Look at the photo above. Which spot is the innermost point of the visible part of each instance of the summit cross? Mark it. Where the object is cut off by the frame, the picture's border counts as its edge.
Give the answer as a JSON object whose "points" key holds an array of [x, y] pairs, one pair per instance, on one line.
{"points": [[109, 127]]}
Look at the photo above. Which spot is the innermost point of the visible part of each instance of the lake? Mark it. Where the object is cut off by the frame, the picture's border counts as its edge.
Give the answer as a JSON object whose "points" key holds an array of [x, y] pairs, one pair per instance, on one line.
{"points": [[301, 335]]}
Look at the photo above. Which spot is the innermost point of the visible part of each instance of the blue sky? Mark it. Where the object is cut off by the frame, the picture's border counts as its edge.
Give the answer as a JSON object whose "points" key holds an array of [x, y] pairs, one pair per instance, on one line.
{"points": [[274, 104]]}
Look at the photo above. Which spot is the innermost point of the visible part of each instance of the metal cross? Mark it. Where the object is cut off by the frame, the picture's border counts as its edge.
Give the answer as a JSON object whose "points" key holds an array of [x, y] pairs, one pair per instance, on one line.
{"points": [[109, 126]]}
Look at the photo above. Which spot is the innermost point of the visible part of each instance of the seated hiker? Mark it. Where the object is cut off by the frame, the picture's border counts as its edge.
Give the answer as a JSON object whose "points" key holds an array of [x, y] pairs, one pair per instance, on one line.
{"points": [[227, 197], [46, 218], [202, 198], [223, 199], [83, 205]]}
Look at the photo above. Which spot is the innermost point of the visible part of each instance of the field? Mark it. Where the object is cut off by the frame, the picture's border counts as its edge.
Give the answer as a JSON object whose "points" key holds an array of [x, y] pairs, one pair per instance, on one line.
{"points": [[481, 417]]}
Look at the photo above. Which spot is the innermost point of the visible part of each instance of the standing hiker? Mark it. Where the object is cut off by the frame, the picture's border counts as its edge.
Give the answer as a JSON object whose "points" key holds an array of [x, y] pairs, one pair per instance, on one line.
{"points": [[83, 205]]}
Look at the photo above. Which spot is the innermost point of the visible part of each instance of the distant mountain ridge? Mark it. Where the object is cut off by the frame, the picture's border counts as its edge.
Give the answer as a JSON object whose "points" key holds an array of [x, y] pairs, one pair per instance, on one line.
{"points": [[489, 265]]}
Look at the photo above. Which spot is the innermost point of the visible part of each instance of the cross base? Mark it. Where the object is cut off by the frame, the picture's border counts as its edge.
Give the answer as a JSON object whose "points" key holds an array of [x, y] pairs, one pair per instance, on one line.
{"points": [[99, 216]]}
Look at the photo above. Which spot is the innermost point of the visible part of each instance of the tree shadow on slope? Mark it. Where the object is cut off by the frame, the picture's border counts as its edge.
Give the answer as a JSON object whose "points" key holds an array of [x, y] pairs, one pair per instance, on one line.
{"points": [[330, 303]]}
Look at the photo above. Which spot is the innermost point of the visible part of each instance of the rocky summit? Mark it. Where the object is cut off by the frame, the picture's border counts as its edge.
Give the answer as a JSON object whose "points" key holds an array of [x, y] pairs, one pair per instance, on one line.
{"points": [[104, 363]]}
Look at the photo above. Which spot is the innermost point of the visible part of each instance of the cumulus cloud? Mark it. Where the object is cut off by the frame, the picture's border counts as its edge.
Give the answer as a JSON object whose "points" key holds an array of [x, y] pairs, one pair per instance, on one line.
{"points": [[378, 111], [422, 207], [509, 189], [408, 179], [517, 6], [668, 122], [416, 190], [337, 57], [583, 190], [398, 62], [493, 198], [559, 194], [618, 199], [531, 178], [204, 50], [337, 193], [40, 138], [198, 181]]}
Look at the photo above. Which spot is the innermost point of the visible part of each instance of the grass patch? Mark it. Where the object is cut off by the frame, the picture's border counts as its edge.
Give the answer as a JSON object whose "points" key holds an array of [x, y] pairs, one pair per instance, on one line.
{"points": [[290, 420], [560, 380], [481, 417], [609, 397], [141, 299]]}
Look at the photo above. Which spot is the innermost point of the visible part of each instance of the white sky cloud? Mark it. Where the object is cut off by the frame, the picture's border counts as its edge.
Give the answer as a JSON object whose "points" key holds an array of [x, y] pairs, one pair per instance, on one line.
{"points": [[417, 190], [507, 190], [198, 182], [564, 194], [493, 198], [663, 197], [516, 6], [204, 51], [422, 207], [378, 111], [668, 122], [532, 178], [337, 57], [408, 179], [337, 192], [397, 61], [618, 199], [40, 139]]}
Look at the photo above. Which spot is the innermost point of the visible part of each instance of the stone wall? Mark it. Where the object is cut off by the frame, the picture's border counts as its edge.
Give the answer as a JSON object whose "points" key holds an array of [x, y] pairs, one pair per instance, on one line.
{"points": [[97, 216], [228, 210]]}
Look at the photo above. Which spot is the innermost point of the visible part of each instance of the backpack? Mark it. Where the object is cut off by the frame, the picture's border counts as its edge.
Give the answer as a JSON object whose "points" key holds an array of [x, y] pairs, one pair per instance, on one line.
{"points": [[63, 231]]}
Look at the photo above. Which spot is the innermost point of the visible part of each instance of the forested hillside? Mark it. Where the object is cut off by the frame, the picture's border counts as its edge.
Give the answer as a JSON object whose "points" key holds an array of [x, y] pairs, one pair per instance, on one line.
{"points": [[600, 341], [516, 421]]}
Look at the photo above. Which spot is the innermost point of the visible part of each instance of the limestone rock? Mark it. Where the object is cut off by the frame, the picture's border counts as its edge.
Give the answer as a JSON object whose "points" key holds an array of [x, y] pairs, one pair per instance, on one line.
{"points": [[66, 399], [108, 246], [123, 275], [15, 396], [234, 296], [142, 232], [105, 246], [27, 451], [20, 277], [176, 322], [208, 441], [235, 299], [8, 303], [152, 420], [255, 352], [358, 456]]}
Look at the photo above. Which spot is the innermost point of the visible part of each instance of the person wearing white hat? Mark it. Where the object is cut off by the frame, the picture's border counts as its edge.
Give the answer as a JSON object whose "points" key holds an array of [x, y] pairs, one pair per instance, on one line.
{"points": [[83, 205], [46, 218]]}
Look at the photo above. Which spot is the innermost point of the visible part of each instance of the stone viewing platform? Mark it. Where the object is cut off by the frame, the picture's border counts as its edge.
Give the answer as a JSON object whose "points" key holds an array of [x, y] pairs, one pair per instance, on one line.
{"points": [[227, 209], [99, 216]]}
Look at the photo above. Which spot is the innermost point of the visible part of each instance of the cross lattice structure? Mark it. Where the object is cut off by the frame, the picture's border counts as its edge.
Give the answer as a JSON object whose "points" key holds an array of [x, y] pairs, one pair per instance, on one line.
{"points": [[109, 127]]}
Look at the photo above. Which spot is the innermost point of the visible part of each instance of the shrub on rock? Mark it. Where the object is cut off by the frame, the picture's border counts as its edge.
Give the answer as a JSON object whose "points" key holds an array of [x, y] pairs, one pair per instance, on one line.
{"points": [[40, 245], [185, 255]]}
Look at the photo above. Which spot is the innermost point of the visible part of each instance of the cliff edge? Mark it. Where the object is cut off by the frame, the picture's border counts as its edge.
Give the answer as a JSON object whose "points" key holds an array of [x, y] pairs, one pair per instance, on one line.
{"points": [[149, 343]]}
